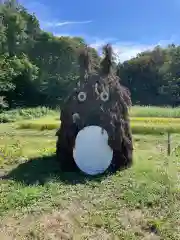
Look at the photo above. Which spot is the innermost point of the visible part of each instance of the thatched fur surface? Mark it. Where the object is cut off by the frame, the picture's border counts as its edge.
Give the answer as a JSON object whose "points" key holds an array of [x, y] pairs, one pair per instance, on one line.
{"points": [[111, 114]]}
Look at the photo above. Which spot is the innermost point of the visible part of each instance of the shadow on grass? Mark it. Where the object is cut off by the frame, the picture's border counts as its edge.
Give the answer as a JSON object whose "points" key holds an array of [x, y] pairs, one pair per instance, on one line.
{"points": [[43, 169]]}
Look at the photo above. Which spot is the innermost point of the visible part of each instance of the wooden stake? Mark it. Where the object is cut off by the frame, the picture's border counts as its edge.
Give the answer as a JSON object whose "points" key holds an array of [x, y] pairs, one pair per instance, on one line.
{"points": [[169, 144]]}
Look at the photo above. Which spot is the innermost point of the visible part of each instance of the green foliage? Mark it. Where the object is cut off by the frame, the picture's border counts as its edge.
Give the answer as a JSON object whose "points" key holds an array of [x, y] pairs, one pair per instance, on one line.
{"points": [[37, 63], [153, 76], [34, 62], [27, 113]]}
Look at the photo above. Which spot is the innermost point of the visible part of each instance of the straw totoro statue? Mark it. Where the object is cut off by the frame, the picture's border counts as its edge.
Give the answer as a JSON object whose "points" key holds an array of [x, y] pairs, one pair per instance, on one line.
{"points": [[98, 100]]}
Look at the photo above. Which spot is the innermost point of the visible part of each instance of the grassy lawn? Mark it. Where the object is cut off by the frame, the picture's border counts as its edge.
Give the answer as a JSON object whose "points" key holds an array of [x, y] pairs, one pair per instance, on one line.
{"points": [[37, 202]]}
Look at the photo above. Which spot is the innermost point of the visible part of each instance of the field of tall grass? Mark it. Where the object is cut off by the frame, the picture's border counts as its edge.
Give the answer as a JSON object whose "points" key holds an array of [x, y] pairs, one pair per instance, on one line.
{"points": [[135, 112], [144, 120], [150, 111]]}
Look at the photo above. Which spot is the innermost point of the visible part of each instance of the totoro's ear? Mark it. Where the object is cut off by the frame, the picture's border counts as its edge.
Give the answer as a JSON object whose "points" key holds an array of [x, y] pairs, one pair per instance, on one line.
{"points": [[84, 59], [106, 63]]}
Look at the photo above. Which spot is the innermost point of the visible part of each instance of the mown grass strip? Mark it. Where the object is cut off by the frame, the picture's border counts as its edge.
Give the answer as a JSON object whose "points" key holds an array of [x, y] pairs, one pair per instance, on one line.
{"points": [[39, 125], [151, 128], [138, 127], [159, 120]]}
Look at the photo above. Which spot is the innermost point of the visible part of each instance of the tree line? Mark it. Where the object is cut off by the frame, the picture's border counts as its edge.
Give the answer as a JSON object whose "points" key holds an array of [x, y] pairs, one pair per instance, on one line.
{"points": [[153, 77], [38, 68]]}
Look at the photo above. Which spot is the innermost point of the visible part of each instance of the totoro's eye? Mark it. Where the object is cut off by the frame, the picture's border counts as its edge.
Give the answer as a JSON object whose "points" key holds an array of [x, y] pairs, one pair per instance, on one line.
{"points": [[104, 96], [82, 96]]}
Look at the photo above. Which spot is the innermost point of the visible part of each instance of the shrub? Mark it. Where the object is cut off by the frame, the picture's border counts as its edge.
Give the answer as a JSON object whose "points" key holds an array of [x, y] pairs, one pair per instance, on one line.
{"points": [[27, 113]]}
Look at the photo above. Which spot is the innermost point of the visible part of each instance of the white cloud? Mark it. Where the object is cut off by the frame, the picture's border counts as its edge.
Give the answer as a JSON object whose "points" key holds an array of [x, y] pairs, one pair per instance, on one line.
{"points": [[122, 50], [127, 50], [45, 15], [60, 24]]}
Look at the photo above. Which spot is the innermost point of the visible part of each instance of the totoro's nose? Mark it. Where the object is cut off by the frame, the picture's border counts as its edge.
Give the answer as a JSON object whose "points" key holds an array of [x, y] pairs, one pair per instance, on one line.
{"points": [[76, 117]]}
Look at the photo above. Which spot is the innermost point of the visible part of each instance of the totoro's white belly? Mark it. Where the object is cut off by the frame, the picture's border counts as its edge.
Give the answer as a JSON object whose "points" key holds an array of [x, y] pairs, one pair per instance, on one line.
{"points": [[92, 153]]}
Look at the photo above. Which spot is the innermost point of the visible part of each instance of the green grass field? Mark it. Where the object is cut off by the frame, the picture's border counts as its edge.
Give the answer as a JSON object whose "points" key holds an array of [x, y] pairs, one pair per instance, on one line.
{"points": [[135, 111], [37, 202], [149, 111], [139, 125], [144, 120]]}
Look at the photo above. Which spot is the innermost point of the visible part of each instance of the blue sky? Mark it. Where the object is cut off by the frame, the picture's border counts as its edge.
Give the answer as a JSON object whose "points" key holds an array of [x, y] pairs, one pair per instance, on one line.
{"points": [[131, 26]]}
